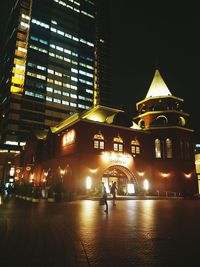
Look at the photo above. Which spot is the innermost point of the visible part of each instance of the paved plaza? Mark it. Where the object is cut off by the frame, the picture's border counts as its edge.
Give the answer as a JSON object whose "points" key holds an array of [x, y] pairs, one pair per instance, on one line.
{"points": [[139, 233]]}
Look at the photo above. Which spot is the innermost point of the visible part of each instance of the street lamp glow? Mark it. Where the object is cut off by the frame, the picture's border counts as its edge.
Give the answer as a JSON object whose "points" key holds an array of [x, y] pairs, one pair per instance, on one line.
{"points": [[88, 183], [32, 178], [62, 172]]}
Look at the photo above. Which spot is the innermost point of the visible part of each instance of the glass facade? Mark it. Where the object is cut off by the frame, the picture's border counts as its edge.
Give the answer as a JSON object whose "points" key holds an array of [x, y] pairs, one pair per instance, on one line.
{"points": [[54, 63]]}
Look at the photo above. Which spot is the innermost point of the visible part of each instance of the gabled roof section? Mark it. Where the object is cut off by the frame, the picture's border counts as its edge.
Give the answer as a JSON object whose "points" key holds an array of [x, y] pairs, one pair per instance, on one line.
{"points": [[97, 113], [158, 87], [61, 126], [135, 126], [100, 113]]}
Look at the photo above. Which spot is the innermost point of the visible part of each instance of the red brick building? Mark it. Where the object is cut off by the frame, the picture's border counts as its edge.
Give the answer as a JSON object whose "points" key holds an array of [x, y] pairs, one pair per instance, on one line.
{"points": [[152, 154]]}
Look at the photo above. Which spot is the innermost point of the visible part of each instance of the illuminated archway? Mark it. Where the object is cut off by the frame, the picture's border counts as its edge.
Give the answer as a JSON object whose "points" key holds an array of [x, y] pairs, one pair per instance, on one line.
{"points": [[122, 176]]}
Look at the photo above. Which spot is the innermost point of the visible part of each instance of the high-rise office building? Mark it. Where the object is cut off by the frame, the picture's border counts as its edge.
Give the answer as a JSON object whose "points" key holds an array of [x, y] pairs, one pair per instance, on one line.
{"points": [[55, 61]]}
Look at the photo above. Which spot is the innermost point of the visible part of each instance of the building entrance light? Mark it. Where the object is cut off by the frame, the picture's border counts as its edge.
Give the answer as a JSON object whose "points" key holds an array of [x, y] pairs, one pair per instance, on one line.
{"points": [[88, 182], [146, 185], [130, 188]]}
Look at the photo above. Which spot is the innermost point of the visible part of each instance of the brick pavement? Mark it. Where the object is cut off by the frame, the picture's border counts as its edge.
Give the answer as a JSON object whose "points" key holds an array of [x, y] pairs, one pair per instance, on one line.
{"points": [[160, 233]]}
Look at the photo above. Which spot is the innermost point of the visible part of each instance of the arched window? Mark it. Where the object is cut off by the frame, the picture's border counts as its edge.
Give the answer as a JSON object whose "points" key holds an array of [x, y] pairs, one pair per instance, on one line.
{"points": [[141, 123], [118, 144], [181, 121], [135, 147], [168, 143], [157, 148], [161, 120], [99, 142]]}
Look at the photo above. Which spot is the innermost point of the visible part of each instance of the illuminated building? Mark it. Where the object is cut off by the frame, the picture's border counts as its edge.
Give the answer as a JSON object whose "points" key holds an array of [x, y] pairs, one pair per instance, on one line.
{"points": [[197, 163], [151, 155], [55, 61]]}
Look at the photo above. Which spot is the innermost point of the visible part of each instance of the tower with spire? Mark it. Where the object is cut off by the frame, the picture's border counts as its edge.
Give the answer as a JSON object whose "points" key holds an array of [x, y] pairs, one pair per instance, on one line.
{"points": [[160, 108], [162, 115]]}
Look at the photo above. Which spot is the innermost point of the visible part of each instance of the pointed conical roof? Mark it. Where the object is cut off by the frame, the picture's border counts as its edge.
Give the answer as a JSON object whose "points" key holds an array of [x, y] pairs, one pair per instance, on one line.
{"points": [[158, 87]]}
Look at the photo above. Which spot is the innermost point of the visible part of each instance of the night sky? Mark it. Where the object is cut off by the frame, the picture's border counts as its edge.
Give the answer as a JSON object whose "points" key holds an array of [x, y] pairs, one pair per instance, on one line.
{"points": [[156, 35], [149, 36]]}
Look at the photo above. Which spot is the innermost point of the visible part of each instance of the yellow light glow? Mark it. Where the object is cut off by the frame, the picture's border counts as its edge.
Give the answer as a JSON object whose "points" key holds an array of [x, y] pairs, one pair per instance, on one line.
{"points": [[62, 172], [113, 156], [31, 178], [130, 189], [88, 182], [187, 175], [18, 71], [17, 80], [141, 174], [69, 138], [158, 87], [105, 156], [119, 158], [93, 170], [146, 184], [96, 118], [12, 171], [20, 62], [165, 175]]}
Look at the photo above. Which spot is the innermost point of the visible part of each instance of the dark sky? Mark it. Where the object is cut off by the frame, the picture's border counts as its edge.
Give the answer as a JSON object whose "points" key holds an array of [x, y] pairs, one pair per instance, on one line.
{"points": [[156, 35], [149, 36]]}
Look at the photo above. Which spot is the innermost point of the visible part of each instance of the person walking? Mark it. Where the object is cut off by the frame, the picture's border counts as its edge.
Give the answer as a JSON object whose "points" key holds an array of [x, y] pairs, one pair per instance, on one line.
{"points": [[113, 192], [105, 198]]}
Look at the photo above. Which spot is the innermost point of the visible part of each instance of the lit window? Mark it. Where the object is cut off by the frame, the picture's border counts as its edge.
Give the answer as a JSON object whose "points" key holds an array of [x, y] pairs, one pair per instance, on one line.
{"points": [[25, 25], [57, 92], [81, 106], [118, 144], [59, 48], [98, 141], [54, 22], [49, 98], [73, 96], [74, 79], [49, 89], [157, 148], [73, 104], [67, 51], [65, 102], [50, 71], [57, 100], [135, 147], [65, 93], [60, 32], [58, 74], [169, 148]]}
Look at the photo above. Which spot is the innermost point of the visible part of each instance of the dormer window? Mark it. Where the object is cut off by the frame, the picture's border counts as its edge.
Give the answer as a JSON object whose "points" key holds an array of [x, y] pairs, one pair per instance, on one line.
{"points": [[118, 144], [135, 147], [99, 142]]}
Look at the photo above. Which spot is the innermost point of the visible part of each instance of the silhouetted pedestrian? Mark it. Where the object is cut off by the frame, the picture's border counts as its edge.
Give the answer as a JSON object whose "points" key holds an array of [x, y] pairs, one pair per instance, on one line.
{"points": [[113, 190], [105, 198]]}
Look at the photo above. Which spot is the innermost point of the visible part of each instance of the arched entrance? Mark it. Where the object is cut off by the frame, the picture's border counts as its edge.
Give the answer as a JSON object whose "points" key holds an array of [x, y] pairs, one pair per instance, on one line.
{"points": [[124, 178]]}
